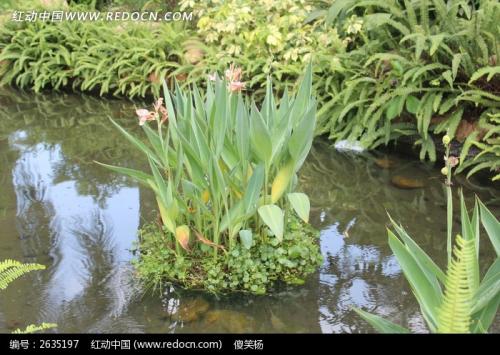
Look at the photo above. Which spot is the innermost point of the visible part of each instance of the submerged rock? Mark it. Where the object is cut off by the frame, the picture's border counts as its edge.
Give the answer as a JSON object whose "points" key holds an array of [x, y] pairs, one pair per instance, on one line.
{"points": [[385, 163], [277, 323], [230, 321], [191, 310], [404, 182]]}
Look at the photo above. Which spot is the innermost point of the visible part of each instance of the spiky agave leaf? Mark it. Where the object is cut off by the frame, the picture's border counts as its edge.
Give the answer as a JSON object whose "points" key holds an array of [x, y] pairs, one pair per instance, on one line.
{"points": [[454, 315]]}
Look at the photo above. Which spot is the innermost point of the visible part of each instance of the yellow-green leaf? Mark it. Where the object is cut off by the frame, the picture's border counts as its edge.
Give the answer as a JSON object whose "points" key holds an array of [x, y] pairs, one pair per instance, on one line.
{"points": [[182, 236], [281, 181]]}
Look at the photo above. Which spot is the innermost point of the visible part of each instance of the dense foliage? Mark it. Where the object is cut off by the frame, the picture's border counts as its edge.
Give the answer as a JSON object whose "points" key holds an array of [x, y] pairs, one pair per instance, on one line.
{"points": [[101, 57], [371, 101], [383, 69], [419, 68]]}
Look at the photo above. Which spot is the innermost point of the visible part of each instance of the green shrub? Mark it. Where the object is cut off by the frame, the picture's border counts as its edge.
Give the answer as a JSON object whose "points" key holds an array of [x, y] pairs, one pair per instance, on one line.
{"points": [[418, 68], [91, 56], [266, 38], [384, 70]]}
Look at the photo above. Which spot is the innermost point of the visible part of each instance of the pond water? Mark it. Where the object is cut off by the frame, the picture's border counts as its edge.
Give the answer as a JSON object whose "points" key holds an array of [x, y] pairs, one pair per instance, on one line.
{"points": [[60, 209]]}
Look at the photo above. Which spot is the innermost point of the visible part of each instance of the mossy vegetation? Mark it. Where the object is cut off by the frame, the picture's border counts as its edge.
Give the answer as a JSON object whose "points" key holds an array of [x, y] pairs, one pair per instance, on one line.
{"points": [[257, 268]]}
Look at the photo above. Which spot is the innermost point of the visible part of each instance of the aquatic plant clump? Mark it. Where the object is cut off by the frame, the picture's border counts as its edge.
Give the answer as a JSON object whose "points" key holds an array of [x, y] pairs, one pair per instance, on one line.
{"points": [[255, 269], [224, 174]]}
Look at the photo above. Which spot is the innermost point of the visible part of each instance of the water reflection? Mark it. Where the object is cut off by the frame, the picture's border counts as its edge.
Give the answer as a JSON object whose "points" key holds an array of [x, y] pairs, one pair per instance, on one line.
{"points": [[60, 209], [88, 242]]}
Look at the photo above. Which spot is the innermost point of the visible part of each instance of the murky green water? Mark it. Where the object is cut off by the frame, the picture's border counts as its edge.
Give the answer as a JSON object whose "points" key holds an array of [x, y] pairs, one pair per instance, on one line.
{"points": [[60, 209]]}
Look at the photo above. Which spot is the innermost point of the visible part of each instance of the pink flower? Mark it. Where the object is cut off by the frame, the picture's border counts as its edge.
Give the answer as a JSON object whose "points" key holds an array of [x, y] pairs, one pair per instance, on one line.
{"points": [[236, 86], [144, 115], [233, 74], [159, 111], [212, 77], [158, 104]]}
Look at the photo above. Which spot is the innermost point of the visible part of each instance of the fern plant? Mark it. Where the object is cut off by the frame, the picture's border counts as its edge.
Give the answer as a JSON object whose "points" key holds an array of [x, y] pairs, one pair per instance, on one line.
{"points": [[11, 270], [91, 56], [30, 329], [417, 68]]}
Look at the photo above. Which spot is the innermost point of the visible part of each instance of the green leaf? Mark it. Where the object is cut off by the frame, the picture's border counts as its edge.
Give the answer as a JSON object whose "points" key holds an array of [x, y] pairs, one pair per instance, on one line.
{"points": [[252, 191], [301, 205], [246, 238], [380, 324], [282, 180], [486, 292], [260, 137], [412, 104], [492, 226], [424, 261], [392, 108], [135, 174], [484, 308], [448, 76], [273, 217], [427, 296], [301, 139]]}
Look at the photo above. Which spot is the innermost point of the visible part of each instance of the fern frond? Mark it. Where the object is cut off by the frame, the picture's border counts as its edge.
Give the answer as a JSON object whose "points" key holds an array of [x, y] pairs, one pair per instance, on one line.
{"points": [[454, 313], [11, 270], [32, 328]]}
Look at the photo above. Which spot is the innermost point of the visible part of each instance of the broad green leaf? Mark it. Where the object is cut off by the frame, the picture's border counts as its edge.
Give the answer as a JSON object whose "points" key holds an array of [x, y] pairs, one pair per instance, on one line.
{"points": [[412, 104], [486, 292], [165, 216], [301, 205], [430, 268], [483, 315], [253, 189], [273, 217], [260, 137], [392, 108], [300, 141], [482, 320], [492, 226], [380, 324], [246, 238], [427, 296]]}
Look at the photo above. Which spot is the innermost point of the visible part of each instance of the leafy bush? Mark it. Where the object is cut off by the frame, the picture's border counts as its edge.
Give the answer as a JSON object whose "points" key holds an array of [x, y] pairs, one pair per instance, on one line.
{"points": [[266, 38], [418, 68], [384, 70], [91, 56], [223, 171]]}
